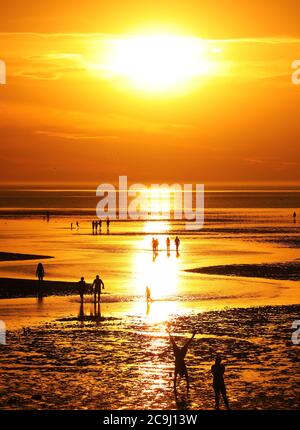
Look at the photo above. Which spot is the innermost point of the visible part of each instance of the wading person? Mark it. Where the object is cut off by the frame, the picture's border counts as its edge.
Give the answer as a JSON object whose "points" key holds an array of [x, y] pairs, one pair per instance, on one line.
{"points": [[96, 288], [218, 370], [40, 272], [179, 355], [177, 243], [81, 288]]}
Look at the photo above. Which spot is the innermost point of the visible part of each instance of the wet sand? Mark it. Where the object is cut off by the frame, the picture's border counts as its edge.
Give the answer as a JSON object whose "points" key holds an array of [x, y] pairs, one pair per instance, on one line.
{"points": [[12, 256], [119, 357], [126, 362], [284, 271], [12, 288]]}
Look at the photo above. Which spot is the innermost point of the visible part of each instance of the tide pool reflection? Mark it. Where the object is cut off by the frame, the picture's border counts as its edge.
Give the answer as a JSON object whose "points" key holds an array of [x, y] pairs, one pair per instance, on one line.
{"points": [[95, 313], [160, 274]]}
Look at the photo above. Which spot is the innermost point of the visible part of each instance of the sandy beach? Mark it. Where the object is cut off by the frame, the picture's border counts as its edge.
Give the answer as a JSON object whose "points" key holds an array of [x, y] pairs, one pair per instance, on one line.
{"points": [[118, 355]]}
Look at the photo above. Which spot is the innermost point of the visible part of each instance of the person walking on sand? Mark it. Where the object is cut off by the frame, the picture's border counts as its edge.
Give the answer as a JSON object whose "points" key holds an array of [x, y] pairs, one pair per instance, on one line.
{"points": [[177, 243], [81, 288], [218, 370], [96, 288], [40, 272], [180, 366]]}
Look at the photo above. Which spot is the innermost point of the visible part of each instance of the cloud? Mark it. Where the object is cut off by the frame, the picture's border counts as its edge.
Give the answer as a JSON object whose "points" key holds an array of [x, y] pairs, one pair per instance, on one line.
{"points": [[74, 136]]}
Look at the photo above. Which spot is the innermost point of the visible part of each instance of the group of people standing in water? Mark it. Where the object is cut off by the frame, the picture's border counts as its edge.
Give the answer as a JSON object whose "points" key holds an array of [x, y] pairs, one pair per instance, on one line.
{"points": [[97, 225], [155, 244]]}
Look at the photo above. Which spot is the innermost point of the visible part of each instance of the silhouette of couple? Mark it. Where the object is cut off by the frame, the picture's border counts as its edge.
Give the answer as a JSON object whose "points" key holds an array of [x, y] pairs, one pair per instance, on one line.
{"points": [[95, 288], [217, 370]]}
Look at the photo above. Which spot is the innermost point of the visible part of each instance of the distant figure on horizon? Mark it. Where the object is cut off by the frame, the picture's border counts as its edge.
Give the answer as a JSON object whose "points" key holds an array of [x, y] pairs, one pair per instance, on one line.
{"points": [[218, 370], [177, 243], [77, 225], [294, 216], [81, 288], [96, 288], [168, 243], [107, 223], [100, 224], [148, 295], [179, 354], [40, 272]]}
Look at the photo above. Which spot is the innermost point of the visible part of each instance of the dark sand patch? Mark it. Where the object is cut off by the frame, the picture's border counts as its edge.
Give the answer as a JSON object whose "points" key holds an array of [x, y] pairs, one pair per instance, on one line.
{"points": [[14, 288], [12, 256], [281, 271], [128, 363]]}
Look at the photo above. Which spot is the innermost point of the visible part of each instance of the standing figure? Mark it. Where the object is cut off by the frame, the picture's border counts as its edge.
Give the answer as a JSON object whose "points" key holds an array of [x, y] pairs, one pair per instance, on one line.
{"points": [[177, 242], [179, 354], [107, 223], [100, 224], [168, 243], [96, 287], [81, 288], [218, 370], [40, 272], [93, 226], [294, 216]]}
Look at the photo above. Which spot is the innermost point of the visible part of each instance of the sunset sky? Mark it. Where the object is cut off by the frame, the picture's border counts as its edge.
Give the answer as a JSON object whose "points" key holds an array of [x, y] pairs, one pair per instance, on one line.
{"points": [[159, 91]]}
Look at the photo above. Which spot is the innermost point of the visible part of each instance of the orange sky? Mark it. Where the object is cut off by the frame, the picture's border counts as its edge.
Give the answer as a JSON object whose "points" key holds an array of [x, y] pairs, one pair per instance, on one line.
{"points": [[62, 121]]}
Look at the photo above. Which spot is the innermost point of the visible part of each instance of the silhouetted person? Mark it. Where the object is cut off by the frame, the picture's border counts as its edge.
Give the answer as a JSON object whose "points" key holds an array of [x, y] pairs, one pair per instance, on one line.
{"points": [[107, 223], [100, 224], [48, 216], [96, 226], [71, 226], [77, 225], [177, 243], [294, 216], [218, 370], [40, 272], [148, 294], [179, 354], [81, 288], [96, 287], [168, 244], [93, 226]]}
